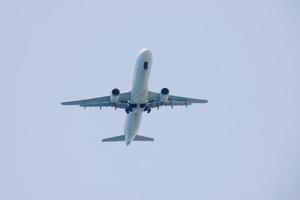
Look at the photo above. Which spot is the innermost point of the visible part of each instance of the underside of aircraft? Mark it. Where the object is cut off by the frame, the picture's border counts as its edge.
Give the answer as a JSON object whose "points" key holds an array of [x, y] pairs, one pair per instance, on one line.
{"points": [[136, 101]]}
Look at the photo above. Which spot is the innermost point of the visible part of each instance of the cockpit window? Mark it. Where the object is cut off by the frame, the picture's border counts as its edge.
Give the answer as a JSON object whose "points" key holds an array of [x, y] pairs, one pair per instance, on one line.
{"points": [[145, 65]]}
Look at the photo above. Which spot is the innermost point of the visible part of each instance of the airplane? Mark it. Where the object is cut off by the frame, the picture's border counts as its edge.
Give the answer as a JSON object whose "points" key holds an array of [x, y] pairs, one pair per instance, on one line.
{"points": [[138, 100]]}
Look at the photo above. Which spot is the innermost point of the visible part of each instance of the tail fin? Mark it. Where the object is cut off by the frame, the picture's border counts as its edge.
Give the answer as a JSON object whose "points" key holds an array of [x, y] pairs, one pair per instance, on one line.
{"points": [[115, 139], [142, 138]]}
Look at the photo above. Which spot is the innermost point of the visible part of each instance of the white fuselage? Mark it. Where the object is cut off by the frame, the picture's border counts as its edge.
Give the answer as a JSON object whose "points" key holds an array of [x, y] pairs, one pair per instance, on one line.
{"points": [[139, 93]]}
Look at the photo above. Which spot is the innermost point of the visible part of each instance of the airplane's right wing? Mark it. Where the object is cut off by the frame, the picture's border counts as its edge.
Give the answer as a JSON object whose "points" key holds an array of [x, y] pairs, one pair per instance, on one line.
{"points": [[102, 101]]}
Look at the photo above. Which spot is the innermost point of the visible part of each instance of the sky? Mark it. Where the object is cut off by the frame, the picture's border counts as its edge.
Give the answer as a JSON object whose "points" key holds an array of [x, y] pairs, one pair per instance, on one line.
{"points": [[243, 56]]}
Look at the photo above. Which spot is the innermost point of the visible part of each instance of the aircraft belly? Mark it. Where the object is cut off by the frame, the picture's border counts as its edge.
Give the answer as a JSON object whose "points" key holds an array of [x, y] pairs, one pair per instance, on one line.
{"points": [[133, 121], [139, 91], [139, 94]]}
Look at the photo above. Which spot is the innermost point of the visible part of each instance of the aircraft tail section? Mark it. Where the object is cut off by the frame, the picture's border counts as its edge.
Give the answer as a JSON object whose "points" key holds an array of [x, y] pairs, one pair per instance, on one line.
{"points": [[121, 138], [115, 139], [142, 138]]}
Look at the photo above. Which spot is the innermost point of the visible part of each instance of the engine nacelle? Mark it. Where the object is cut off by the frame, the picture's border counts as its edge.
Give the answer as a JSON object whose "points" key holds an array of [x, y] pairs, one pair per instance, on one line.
{"points": [[115, 93], [164, 94]]}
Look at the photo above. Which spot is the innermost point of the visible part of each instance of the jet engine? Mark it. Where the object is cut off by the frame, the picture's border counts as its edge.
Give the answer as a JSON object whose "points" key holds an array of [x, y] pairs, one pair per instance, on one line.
{"points": [[164, 94], [115, 93]]}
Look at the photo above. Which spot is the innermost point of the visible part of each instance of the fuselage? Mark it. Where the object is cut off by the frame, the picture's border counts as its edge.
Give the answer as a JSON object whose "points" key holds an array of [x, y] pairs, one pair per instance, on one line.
{"points": [[139, 93]]}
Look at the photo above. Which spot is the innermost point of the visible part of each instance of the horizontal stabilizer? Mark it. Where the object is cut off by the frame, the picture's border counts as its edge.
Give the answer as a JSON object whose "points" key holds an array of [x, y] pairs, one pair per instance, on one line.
{"points": [[115, 139], [121, 138], [142, 138]]}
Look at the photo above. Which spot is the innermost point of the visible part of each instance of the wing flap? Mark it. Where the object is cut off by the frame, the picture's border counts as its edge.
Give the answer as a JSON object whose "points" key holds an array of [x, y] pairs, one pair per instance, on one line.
{"points": [[87, 101], [154, 100], [101, 101]]}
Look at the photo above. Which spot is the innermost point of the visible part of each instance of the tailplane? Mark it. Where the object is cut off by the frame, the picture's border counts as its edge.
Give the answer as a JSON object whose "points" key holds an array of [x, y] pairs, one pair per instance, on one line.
{"points": [[115, 139], [121, 138], [142, 138]]}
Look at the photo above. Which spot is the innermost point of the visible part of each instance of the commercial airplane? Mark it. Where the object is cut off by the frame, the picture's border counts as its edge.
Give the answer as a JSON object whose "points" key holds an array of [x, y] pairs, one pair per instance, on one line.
{"points": [[136, 101]]}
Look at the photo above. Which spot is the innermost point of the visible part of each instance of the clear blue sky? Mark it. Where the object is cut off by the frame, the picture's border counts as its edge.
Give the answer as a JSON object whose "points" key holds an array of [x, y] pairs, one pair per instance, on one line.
{"points": [[241, 55]]}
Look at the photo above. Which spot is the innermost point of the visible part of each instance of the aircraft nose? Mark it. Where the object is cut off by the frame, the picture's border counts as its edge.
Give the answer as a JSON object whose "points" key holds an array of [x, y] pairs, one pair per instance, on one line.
{"points": [[145, 54]]}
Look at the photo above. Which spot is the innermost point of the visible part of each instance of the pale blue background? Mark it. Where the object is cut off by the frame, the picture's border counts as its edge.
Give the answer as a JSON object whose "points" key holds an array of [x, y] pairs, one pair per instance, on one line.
{"points": [[241, 55]]}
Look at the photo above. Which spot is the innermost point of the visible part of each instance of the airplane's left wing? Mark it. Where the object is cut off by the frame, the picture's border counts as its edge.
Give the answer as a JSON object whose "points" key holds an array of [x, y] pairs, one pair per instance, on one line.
{"points": [[102, 101], [154, 100]]}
